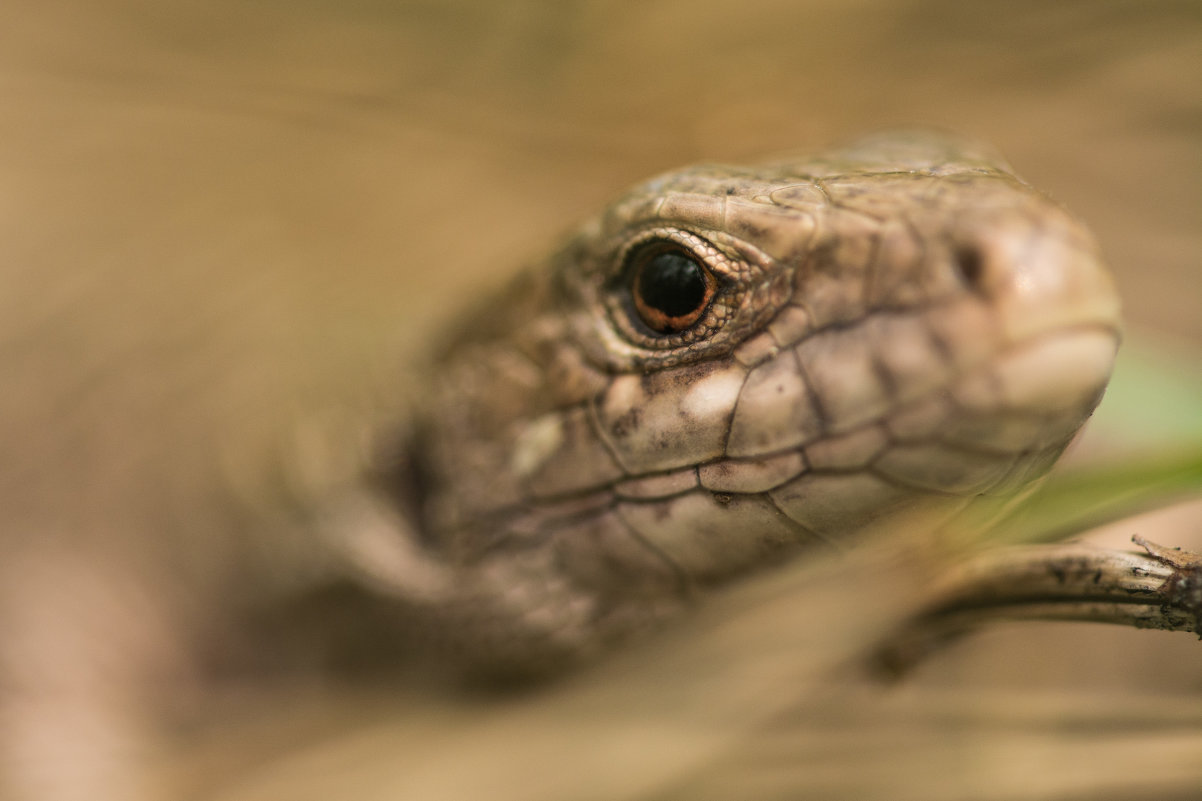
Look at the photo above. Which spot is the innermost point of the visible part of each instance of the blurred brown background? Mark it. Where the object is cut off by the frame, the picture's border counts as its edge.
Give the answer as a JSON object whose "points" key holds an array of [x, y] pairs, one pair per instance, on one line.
{"points": [[217, 216]]}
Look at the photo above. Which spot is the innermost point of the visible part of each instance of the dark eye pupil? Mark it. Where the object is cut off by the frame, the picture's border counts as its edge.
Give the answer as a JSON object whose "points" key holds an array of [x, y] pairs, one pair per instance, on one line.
{"points": [[672, 284]]}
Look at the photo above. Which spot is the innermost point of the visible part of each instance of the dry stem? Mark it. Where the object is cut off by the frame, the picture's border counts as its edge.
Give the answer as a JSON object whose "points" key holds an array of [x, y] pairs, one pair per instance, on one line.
{"points": [[1158, 589]]}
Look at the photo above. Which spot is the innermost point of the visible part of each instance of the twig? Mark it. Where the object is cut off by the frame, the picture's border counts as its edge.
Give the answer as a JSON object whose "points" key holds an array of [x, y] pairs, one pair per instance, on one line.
{"points": [[1158, 589]]}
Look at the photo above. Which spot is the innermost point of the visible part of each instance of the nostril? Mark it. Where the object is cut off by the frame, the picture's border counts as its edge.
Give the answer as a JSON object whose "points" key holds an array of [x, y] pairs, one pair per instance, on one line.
{"points": [[969, 264]]}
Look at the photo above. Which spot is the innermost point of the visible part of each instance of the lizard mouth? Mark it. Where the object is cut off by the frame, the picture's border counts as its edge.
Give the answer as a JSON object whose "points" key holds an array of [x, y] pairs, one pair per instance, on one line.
{"points": [[990, 429], [1054, 380], [1002, 425]]}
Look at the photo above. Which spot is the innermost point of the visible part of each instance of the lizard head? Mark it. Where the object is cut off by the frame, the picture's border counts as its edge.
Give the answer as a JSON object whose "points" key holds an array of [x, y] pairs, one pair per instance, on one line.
{"points": [[733, 361], [816, 344]]}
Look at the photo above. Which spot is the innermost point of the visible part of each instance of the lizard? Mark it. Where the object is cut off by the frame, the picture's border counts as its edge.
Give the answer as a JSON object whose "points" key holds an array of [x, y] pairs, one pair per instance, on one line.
{"points": [[725, 368]]}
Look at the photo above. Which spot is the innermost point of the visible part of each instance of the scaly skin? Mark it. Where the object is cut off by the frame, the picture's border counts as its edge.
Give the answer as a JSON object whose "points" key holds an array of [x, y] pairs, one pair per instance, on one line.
{"points": [[898, 325]]}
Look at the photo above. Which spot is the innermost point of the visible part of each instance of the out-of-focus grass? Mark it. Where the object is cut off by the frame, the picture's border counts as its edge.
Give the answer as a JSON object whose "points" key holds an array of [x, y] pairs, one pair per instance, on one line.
{"points": [[1077, 500], [1155, 397]]}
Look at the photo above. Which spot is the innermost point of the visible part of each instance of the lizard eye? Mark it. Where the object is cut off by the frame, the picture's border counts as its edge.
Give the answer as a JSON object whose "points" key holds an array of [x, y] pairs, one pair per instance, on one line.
{"points": [[673, 295], [669, 287]]}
